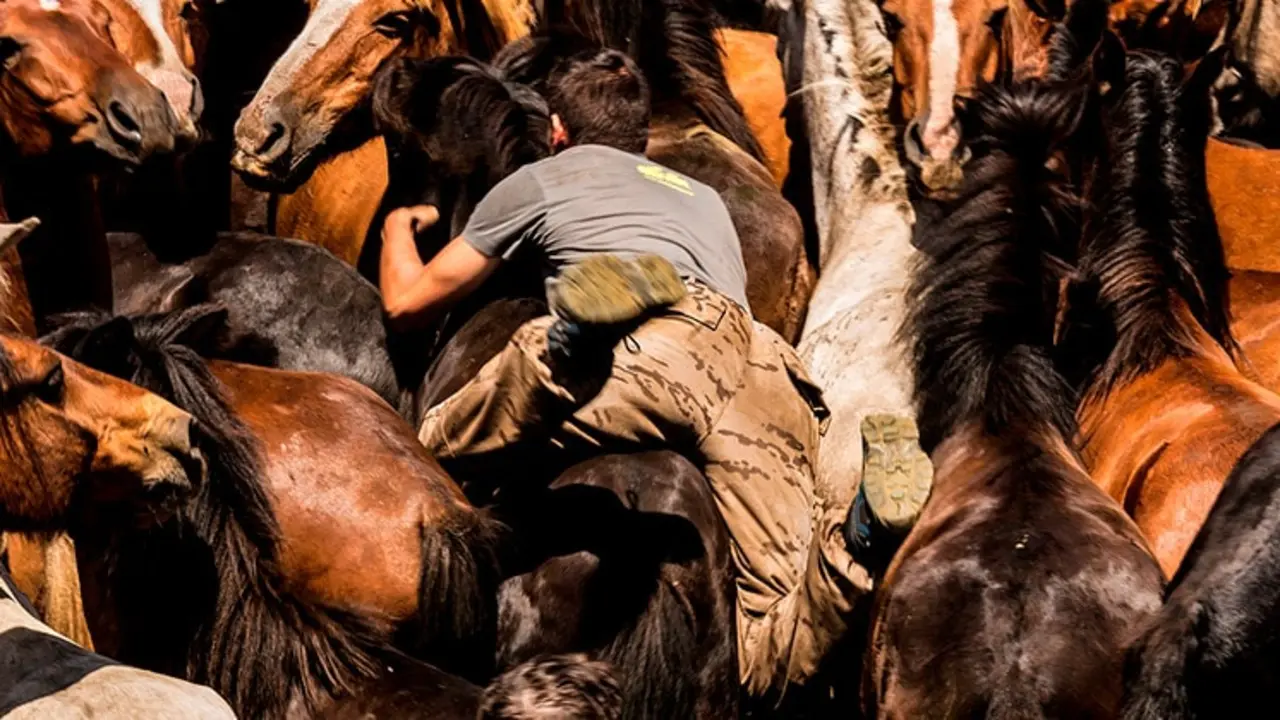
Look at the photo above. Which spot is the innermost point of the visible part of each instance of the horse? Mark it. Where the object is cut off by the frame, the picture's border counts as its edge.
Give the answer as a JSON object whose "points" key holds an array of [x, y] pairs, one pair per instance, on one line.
{"points": [[290, 305], [839, 77], [1015, 592], [47, 675], [1248, 90], [662, 614], [69, 106], [325, 535], [300, 116], [1166, 412]]}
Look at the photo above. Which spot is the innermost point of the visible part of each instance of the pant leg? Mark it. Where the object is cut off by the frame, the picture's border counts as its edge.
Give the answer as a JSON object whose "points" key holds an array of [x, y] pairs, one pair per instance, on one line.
{"points": [[797, 583], [670, 380]]}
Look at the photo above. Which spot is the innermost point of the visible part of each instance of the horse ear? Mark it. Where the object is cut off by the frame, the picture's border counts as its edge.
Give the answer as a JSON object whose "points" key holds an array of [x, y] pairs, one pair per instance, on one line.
{"points": [[201, 328], [13, 233], [1207, 29], [1048, 9], [392, 97]]}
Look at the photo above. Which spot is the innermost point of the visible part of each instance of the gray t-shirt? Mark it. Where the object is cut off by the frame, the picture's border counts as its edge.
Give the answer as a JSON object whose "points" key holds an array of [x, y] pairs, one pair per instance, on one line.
{"points": [[592, 199]]}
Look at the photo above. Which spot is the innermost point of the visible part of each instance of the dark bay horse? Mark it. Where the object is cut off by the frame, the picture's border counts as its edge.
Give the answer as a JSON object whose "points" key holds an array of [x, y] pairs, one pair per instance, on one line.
{"points": [[1015, 592], [324, 535], [1166, 413], [661, 612], [316, 102]]}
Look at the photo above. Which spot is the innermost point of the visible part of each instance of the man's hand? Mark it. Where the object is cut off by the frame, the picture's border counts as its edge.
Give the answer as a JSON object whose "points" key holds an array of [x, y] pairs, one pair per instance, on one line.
{"points": [[409, 220]]}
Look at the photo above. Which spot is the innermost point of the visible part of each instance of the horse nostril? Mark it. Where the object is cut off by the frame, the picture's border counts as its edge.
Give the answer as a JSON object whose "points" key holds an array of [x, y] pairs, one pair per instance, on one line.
{"points": [[275, 145], [124, 125], [913, 144]]}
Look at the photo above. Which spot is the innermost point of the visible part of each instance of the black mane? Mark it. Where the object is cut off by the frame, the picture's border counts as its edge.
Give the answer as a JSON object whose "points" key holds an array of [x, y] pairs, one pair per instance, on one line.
{"points": [[984, 298], [674, 43], [208, 584], [1155, 249]]}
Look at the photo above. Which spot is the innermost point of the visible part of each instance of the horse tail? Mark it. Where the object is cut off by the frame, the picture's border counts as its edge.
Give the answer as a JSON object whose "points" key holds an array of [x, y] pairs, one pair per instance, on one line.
{"points": [[457, 621], [1158, 665], [984, 296], [554, 686], [657, 659]]}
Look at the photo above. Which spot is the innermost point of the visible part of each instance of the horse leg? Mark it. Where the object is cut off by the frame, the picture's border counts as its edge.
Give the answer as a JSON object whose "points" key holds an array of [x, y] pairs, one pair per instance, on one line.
{"points": [[44, 568]]}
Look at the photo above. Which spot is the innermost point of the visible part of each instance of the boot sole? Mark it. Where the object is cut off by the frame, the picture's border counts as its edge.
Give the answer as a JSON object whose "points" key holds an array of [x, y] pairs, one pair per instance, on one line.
{"points": [[607, 289], [897, 475]]}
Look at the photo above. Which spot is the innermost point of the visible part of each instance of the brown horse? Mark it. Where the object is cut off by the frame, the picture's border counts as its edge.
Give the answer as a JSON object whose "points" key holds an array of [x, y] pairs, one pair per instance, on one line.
{"points": [[1166, 413], [325, 534], [1016, 590], [300, 117], [69, 105]]}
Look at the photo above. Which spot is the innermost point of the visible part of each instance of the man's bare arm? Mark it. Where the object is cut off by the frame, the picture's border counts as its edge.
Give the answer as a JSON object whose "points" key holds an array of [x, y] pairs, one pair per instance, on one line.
{"points": [[413, 293]]}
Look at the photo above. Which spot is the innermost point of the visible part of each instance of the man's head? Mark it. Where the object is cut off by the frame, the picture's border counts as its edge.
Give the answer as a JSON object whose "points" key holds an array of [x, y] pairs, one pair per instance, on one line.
{"points": [[599, 97]]}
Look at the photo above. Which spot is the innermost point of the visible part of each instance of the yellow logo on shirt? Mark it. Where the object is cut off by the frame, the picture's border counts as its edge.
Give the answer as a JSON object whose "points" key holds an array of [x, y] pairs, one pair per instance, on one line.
{"points": [[668, 178]]}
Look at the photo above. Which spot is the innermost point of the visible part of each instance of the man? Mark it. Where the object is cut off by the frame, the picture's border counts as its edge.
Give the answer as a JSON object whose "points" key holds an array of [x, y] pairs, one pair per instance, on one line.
{"points": [[650, 343]]}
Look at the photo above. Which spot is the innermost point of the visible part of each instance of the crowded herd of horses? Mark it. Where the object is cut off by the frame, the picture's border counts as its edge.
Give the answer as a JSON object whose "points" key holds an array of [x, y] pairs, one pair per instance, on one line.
{"points": [[1048, 231]]}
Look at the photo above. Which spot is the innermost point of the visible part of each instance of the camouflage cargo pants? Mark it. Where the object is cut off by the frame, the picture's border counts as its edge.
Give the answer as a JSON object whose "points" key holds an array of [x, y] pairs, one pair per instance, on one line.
{"points": [[704, 379]]}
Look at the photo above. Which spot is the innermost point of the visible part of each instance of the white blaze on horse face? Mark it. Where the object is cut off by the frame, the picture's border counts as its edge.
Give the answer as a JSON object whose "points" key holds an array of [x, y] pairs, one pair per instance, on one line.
{"points": [[169, 74], [939, 134], [50, 5], [326, 19]]}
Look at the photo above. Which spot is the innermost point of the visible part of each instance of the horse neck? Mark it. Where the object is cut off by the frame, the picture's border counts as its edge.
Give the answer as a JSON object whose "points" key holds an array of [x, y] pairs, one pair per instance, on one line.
{"points": [[967, 460], [65, 262], [1255, 42], [16, 315], [511, 19], [862, 210]]}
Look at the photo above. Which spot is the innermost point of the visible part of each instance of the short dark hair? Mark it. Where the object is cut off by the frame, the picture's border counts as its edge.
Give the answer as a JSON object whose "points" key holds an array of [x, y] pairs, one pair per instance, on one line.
{"points": [[601, 97]]}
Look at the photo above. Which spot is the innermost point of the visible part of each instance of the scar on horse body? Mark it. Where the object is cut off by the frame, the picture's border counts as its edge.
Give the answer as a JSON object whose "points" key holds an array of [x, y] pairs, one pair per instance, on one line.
{"points": [[661, 614], [300, 117], [973, 617]]}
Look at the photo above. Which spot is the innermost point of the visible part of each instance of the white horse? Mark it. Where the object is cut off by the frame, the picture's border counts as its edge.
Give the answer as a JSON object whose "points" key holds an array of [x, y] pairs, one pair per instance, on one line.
{"points": [[864, 220]]}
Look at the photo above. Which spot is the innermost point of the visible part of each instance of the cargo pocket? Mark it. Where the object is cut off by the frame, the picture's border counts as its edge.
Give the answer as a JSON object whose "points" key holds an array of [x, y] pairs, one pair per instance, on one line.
{"points": [[805, 385]]}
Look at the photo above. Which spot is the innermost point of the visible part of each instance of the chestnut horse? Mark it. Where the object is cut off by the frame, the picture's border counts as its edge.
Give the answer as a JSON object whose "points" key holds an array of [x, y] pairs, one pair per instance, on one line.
{"points": [[1166, 413], [315, 102], [325, 532], [69, 105], [1015, 592], [662, 614]]}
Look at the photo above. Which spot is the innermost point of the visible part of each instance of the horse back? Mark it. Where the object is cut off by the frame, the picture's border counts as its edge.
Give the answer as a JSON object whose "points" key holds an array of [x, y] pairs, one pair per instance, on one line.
{"points": [[1163, 444], [1018, 568]]}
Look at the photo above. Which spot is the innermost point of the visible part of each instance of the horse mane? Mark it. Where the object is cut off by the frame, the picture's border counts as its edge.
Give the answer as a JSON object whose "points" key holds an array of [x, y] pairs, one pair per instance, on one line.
{"points": [[984, 295], [554, 686], [1154, 254], [674, 43], [259, 647]]}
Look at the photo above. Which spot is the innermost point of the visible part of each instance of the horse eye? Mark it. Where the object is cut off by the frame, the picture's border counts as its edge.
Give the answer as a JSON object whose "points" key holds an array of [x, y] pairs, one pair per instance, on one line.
{"points": [[51, 386], [189, 11], [10, 52], [892, 26], [996, 21], [395, 25]]}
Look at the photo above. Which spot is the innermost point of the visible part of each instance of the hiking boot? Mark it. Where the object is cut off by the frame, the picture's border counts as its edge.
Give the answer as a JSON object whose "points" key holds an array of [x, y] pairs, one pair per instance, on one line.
{"points": [[599, 300], [609, 290], [896, 474], [896, 479]]}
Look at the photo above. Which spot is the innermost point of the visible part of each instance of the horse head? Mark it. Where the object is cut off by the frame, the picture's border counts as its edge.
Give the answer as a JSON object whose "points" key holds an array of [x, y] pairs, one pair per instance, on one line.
{"points": [[944, 50], [317, 94], [62, 86], [70, 434]]}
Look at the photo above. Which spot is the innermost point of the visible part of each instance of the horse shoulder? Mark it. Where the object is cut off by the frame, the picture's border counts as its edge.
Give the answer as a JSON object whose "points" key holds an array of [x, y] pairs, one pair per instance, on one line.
{"points": [[1240, 180]]}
